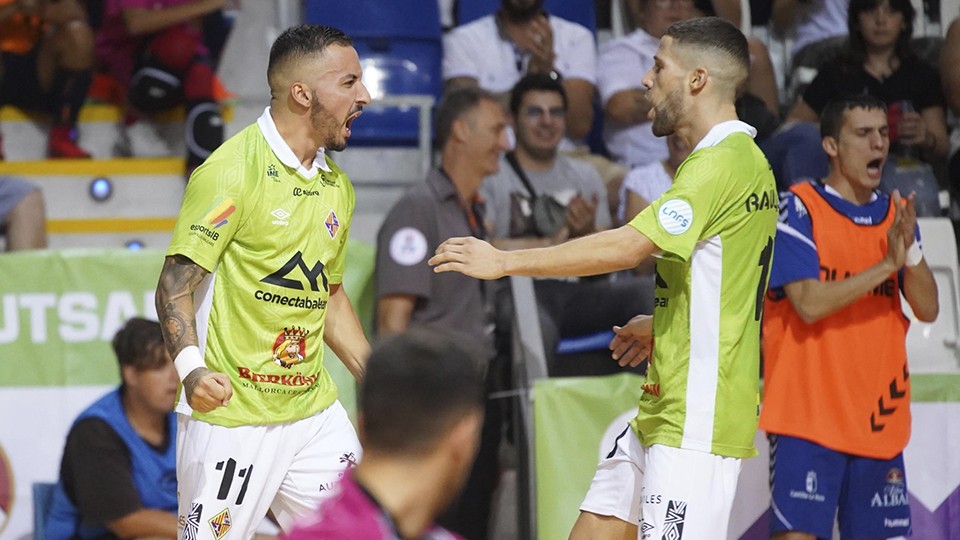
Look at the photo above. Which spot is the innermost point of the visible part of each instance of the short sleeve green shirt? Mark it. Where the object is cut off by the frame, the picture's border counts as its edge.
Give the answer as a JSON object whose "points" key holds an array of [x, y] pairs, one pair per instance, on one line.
{"points": [[715, 229], [273, 235]]}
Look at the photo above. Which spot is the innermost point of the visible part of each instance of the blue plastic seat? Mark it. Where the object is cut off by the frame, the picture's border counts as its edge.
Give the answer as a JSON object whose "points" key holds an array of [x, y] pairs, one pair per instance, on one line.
{"points": [[377, 18], [578, 11], [395, 67], [400, 49]]}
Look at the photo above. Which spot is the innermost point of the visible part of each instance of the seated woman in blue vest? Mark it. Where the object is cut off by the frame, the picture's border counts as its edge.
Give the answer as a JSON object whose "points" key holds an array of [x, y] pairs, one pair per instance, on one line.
{"points": [[118, 476]]}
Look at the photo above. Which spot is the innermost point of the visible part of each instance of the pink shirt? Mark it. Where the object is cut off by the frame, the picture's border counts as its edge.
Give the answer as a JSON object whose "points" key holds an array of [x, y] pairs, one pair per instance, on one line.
{"points": [[353, 514], [116, 48]]}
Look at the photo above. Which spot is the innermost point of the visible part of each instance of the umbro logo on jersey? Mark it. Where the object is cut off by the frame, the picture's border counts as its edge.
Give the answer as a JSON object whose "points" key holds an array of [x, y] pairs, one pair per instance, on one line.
{"points": [[281, 216]]}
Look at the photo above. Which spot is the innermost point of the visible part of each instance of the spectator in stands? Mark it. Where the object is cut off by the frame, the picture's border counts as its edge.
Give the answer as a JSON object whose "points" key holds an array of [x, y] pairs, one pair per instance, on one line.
{"points": [[539, 198], [494, 52], [22, 215], [818, 29], [118, 475], [879, 61], [470, 132], [645, 184], [156, 51], [834, 327], [46, 61], [627, 127], [950, 73], [761, 87], [420, 409]]}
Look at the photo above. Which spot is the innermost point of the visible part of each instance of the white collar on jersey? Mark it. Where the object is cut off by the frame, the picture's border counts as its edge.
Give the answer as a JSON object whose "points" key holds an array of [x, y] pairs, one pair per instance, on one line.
{"points": [[283, 151], [835, 193], [720, 131]]}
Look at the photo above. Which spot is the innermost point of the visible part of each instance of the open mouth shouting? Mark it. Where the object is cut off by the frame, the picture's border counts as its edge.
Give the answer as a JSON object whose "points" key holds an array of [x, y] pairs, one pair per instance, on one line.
{"points": [[875, 168], [353, 116]]}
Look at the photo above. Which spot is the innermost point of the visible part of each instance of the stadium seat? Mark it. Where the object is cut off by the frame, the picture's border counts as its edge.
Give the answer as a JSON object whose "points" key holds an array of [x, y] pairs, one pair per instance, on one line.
{"points": [[399, 44], [933, 347], [578, 11], [397, 67], [42, 497], [376, 18]]}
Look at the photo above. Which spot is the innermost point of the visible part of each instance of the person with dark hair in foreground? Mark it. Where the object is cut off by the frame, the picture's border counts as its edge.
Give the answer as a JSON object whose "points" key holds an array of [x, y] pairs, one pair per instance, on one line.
{"points": [[118, 475], [697, 416], [420, 408]]}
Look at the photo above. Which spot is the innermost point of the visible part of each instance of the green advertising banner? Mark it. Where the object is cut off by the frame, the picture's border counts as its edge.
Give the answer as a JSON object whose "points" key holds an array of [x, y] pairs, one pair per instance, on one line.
{"points": [[575, 420], [60, 309]]}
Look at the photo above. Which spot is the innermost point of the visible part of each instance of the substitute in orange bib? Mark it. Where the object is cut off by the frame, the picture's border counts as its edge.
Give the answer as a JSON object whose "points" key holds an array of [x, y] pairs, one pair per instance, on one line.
{"points": [[837, 384]]}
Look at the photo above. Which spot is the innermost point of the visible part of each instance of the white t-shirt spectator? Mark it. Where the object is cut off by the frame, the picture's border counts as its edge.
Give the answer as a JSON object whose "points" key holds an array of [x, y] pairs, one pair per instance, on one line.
{"points": [[821, 20], [622, 65], [479, 51], [648, 181]]}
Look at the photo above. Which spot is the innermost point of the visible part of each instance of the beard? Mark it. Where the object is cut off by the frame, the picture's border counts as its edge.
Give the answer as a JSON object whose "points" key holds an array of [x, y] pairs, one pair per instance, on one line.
{"points": [[327, 126], [521, 13], [665, 119]]}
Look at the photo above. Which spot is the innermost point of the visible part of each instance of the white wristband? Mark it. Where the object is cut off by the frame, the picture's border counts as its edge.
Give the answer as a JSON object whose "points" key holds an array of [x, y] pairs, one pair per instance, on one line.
{"points": [[188, 360], [914, 254]]}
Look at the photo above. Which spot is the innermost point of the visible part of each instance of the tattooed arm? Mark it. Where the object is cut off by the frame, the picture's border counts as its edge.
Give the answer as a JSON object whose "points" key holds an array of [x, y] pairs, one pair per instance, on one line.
{"points": [[204, 389]]}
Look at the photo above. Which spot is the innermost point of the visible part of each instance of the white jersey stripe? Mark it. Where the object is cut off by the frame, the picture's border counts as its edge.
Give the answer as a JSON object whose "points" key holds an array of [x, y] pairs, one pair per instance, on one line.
{"points": [[706, 275], [786, 229]]}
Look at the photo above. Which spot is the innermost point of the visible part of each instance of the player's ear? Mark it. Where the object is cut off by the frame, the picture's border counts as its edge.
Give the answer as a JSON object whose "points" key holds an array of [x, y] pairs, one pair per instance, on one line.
{"points": [[301, 94], [698, 78], [460, 129], [830, 146]]}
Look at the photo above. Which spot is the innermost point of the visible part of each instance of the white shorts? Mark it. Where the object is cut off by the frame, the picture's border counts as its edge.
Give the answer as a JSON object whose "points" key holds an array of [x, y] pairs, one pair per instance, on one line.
{"points": [[229, 477], [664, 490]]}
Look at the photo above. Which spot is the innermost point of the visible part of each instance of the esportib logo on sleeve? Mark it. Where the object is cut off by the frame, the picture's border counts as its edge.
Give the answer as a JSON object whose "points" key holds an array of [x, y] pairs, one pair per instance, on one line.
{"points": [[215, 217]]}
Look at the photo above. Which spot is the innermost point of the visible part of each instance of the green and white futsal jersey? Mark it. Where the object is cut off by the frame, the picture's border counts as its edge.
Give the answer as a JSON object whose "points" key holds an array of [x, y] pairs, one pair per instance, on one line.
{"points": [[715, 227], [274, 236]]}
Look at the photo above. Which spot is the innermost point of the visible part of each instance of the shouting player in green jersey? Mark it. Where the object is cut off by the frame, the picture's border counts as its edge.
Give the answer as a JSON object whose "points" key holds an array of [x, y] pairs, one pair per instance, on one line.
{"points": [[712, 233], [250, 291]]}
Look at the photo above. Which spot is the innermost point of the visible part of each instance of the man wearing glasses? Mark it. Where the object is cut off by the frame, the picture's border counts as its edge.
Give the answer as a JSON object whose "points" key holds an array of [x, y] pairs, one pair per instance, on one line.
{"points": [[541, 197]]}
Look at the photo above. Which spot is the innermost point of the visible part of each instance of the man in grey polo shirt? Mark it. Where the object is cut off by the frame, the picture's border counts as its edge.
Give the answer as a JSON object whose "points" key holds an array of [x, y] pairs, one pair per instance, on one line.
{"points": [[470, 133]]}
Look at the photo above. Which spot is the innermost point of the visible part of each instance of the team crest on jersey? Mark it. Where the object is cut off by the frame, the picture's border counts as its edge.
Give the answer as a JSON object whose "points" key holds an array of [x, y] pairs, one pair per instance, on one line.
{"points": [[290, 347], [220, 524], [332, 223], [895, 476]]}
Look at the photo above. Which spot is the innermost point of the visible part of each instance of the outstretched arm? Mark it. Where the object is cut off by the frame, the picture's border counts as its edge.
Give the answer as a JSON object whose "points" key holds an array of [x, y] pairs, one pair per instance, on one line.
{"points": [[205, 390], [600, 253], [343, 332]]}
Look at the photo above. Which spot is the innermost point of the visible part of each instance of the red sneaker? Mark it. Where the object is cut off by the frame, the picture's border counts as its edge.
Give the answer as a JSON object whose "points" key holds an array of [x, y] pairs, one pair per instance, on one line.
{"points": [[61, 145]]}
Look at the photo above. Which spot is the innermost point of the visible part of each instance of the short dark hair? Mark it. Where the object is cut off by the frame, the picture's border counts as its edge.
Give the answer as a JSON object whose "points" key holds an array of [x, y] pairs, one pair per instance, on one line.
{"points": [[456, 103], [540, 82], [857, 51], [416, 386], [712, 33], [139, 343], [303, 40], [831, 119]]}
